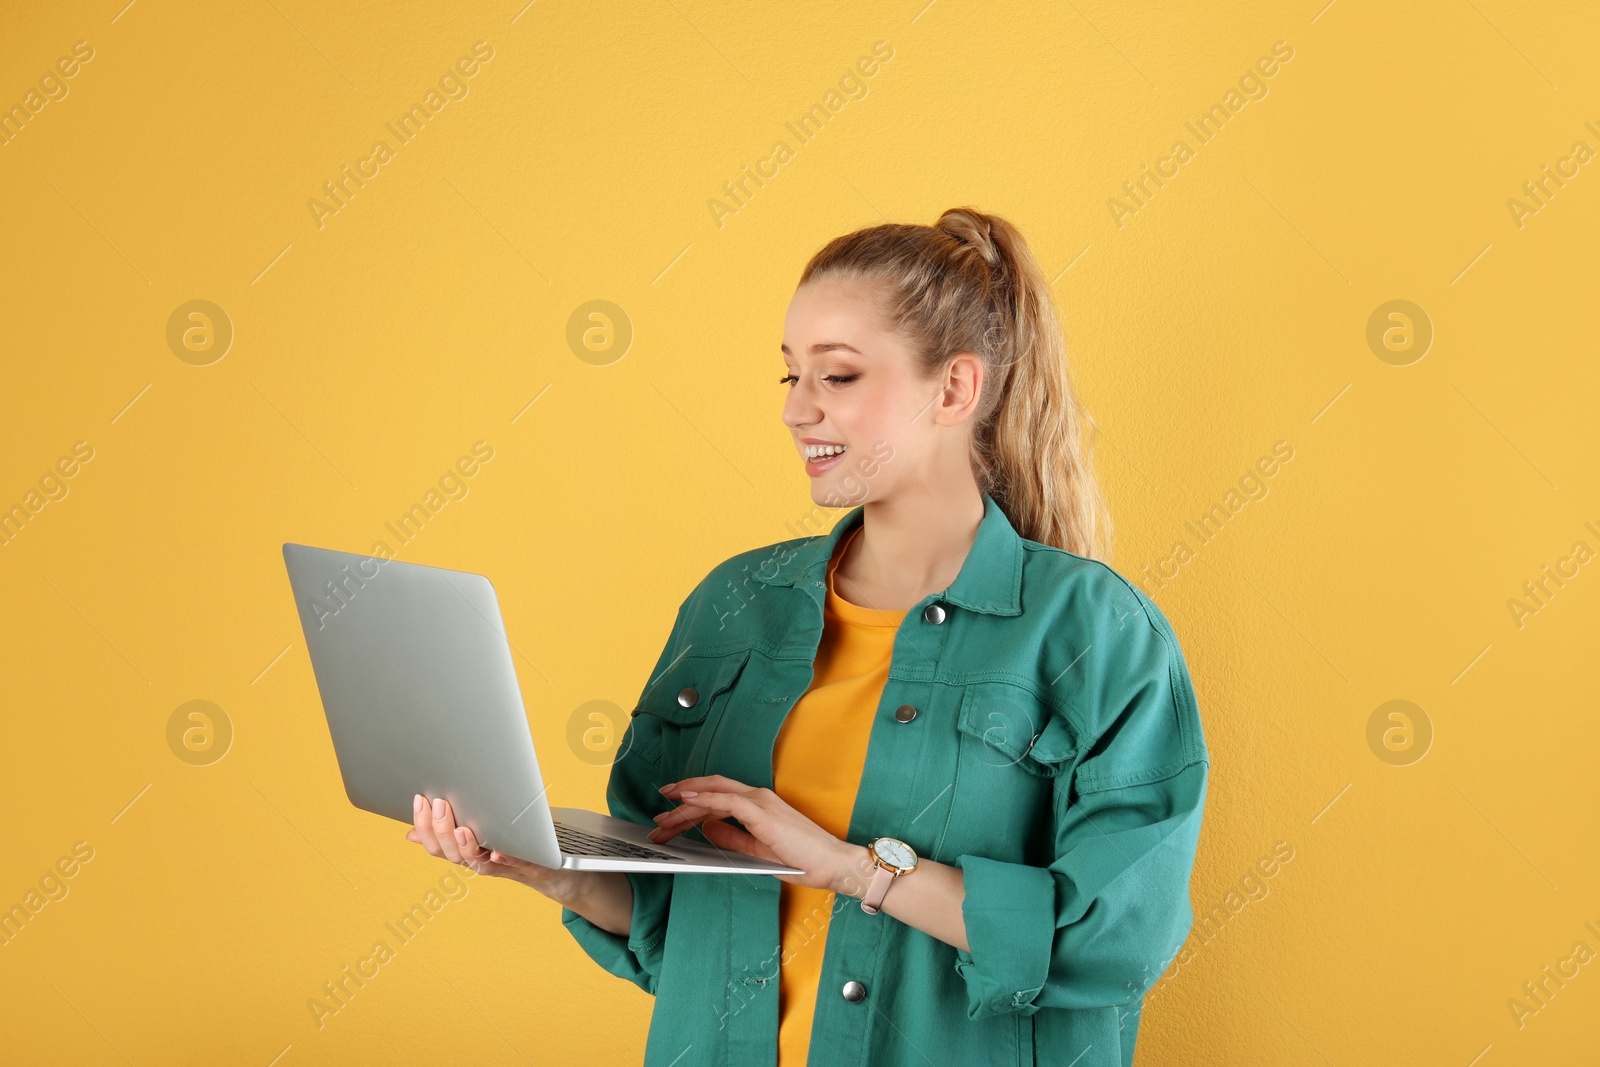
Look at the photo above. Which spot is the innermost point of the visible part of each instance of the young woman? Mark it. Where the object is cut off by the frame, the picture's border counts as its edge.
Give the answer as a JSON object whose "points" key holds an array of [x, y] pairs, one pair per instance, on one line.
{"points": [[978, 741]]}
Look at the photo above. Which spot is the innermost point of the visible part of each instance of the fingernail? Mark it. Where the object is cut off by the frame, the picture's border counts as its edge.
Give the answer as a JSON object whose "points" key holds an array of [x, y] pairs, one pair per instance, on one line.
{"points": [[668, 787], [658, 818], [461, 834], [688, 793], [652, 834], [438, 807], [416, 804]]}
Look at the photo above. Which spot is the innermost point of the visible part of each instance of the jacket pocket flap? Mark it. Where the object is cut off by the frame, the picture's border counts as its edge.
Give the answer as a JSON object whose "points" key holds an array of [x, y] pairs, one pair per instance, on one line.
{"points": [[1021, 729], [686, 690]]}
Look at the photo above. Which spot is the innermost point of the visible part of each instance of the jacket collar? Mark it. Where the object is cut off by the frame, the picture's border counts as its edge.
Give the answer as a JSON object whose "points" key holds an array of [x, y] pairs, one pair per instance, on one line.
{"points": [[990, 579]]}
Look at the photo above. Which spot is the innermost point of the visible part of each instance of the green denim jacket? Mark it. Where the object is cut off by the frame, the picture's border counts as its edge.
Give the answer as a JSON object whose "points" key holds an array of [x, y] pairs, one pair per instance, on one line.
{"points": [[1055, 755]]}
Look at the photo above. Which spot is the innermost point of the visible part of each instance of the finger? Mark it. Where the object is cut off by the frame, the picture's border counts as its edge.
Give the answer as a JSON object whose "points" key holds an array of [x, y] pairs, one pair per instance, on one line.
{"points": [[422, 816], [728, 836], [475, 853], [667, 833], [478, 864], [741, 806], [477, 858], [706, 781], [678, 820], [511, 861], [682, 813], [444, 828], [764, 799], [471, 851]]}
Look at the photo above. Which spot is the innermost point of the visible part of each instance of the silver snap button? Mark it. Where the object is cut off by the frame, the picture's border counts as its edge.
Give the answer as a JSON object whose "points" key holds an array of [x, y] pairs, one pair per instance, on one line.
{"points": [[934, 613], [905, 713], [687, 697], [854, 991]]}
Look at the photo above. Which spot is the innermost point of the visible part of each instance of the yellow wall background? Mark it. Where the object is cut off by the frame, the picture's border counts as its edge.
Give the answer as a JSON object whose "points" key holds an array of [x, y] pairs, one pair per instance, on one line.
{"points": [[375, 346]]}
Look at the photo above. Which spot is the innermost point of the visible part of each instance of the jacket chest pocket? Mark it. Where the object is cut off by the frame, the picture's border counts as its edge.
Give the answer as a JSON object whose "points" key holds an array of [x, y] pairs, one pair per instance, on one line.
{"points": [[1015, 729], [678, 714], [1013, 747]]}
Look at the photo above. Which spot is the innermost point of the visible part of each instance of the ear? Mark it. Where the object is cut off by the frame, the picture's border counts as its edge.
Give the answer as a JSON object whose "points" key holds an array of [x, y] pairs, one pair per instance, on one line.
{"points": [[960, 389]]}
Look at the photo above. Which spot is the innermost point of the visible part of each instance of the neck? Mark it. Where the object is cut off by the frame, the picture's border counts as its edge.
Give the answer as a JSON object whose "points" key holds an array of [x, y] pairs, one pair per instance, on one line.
{"points": [[914, 543]]}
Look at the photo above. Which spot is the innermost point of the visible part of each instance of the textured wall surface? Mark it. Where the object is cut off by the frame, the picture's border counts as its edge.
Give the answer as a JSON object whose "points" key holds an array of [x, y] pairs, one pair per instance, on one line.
{"points": [[1353, 243]]}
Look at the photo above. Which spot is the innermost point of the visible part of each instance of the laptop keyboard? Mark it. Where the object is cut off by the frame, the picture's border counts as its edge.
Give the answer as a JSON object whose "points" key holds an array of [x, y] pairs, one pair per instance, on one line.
{"points": [[579, 843]]}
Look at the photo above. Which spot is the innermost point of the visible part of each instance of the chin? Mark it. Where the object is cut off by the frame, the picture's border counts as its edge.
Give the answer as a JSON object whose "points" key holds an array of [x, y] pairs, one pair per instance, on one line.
{"points": [[833, 497]]}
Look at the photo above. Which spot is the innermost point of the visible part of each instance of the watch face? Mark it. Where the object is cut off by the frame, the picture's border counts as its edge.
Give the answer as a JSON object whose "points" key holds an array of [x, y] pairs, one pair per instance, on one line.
{"points": [[894, 852]]}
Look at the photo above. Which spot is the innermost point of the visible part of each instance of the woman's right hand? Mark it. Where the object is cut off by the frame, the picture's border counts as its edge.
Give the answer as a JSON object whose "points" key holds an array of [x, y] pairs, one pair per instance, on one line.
{"points": [[436, 831]]}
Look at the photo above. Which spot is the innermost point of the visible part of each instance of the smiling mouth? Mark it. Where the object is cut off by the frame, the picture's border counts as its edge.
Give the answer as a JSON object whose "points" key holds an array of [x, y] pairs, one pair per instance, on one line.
{"points": [[819, 454]]}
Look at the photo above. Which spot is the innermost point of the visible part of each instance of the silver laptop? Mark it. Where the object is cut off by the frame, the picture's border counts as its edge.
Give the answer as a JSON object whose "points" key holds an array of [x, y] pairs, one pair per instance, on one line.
{"points": [[421, 696]]}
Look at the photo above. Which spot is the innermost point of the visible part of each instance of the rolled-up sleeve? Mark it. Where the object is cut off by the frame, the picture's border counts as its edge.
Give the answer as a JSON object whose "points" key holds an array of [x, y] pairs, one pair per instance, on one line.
{"points": [[633, 793], [1102, 921], [638, 956]]}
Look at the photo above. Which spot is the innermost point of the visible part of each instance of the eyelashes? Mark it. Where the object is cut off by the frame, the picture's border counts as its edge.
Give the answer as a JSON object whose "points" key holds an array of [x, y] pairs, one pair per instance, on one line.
{"points": [[842, 379]]}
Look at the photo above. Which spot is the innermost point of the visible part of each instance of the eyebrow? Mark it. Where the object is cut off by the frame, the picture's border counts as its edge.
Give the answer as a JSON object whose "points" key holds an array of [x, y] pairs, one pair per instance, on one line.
{"points": [[825, 346]]}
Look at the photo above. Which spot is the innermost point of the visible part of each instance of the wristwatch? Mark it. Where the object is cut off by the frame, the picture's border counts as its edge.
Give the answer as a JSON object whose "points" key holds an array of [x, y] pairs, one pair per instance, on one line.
{"points": [[893, 858]]}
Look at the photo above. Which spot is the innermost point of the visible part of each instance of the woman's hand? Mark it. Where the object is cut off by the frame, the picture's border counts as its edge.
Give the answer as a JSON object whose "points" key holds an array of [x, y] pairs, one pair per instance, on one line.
{"points": [[436, 830], [774, 830]]}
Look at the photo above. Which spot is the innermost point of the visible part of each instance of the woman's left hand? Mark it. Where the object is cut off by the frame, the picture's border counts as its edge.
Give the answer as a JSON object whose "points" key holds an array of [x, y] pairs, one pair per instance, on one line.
{"points": [[773, 830]]}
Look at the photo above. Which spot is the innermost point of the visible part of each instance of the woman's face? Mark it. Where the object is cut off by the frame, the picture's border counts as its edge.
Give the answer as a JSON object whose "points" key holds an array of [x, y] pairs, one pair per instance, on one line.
{"points": [[854, 384]]}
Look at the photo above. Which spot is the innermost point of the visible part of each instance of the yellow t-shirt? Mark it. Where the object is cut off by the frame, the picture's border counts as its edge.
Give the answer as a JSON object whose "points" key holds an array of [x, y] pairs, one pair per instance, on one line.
{"points": [[816, 765]]}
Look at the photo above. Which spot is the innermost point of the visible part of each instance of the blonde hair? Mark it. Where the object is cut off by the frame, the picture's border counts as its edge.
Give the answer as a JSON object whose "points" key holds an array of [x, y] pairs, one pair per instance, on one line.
{"points": [[969, 283]]}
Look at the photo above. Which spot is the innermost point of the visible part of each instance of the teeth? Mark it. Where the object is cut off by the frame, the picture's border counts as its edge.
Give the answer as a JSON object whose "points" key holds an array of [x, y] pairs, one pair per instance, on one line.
{"points": [[819, 451]]}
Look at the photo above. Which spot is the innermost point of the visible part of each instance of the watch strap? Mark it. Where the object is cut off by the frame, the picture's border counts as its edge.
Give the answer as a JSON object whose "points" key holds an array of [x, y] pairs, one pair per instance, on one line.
{"points": [[877, 889]]}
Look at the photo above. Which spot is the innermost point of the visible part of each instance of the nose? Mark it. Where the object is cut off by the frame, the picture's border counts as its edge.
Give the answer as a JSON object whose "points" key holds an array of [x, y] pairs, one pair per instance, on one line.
{"points": [[800, 406]]}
